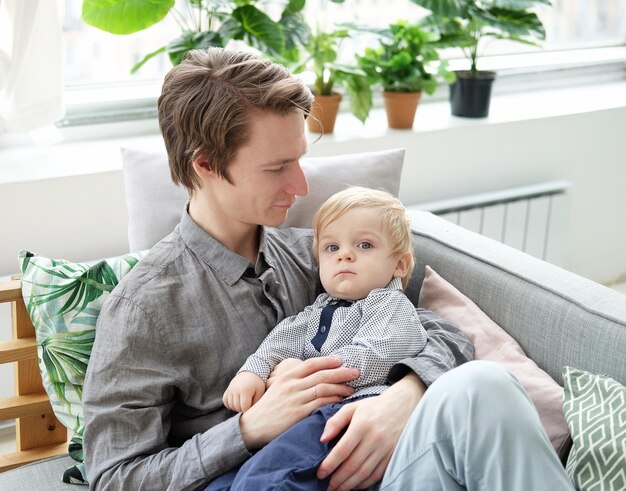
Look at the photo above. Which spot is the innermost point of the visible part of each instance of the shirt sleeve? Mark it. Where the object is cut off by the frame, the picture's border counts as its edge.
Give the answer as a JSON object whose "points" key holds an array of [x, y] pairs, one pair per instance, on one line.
{"points": [[128, 399], [446, 347], [389, 331], [286, 340]]}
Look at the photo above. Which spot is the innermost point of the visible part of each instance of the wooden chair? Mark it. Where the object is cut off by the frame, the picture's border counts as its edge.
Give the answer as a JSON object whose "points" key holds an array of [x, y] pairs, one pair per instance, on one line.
{"points": [[39, 434]]}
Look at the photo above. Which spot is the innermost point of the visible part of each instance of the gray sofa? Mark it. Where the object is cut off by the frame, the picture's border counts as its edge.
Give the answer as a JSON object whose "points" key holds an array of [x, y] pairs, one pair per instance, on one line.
{"points": [[557, 317]]}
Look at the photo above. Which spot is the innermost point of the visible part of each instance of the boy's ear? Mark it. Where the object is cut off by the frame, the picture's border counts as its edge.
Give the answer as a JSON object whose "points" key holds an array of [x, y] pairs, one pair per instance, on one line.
{"points": [[404, 263]]}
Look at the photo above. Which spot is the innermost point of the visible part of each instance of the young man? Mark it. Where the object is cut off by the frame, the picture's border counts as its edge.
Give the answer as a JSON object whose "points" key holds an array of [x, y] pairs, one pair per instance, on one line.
{"points": [[177, 328]]}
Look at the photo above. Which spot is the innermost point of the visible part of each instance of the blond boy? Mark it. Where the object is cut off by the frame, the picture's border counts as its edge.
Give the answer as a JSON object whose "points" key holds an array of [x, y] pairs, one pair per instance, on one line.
{"points": [[362, 241]]}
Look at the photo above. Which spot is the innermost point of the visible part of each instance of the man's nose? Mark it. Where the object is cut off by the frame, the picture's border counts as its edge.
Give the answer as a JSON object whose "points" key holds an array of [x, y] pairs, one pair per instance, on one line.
{"points": [[297, 184]]}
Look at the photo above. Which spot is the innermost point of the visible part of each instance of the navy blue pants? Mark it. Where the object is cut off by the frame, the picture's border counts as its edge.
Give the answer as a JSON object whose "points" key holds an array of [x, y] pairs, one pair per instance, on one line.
{"points": [[288, 462]]}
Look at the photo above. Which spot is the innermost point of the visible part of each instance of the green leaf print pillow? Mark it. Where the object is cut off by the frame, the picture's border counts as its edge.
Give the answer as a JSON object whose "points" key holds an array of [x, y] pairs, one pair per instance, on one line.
{"points": [[63, 300]]}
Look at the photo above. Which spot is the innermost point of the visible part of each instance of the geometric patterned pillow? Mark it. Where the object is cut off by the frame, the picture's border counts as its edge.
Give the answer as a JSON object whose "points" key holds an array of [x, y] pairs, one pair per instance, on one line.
{"points": [[63, 300], [595, 409]]}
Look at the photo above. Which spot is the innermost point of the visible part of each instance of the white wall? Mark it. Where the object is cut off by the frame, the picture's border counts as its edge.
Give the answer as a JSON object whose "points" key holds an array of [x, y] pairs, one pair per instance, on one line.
{"points": [[83, 217]]}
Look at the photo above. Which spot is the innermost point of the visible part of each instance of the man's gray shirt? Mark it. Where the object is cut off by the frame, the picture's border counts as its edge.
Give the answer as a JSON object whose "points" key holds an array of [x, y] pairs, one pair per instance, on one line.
{"points": [[172, 335]]}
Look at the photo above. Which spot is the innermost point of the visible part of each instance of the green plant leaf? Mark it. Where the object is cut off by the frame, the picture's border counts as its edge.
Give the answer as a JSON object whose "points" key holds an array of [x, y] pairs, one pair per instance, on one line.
{"points": [[513, 23], [359, 92], [178, 48], [294, 7], [520, 4], [149, 56], [259, 29], [124, 16], [444, 8]]}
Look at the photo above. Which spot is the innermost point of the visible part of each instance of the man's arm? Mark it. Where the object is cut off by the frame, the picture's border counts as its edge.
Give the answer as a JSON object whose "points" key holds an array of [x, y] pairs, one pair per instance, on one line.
{"points": [[128, 398], [447, 347]]}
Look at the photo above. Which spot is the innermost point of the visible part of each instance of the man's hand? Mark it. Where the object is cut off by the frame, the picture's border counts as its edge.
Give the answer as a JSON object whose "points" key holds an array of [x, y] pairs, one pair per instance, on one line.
{"points": [[282, 368], [243, 391], [292, 396], [374, 425]]}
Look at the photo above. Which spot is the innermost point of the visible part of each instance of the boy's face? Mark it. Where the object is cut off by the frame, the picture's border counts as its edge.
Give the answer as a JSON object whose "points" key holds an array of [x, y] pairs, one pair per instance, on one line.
{"points": [[355, 255]]}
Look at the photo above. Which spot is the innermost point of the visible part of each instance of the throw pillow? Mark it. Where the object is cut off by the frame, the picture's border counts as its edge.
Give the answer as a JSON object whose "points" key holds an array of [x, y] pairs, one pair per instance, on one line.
{"points": [[155, 204], [63, 300], [595, 408], [491, 342]]}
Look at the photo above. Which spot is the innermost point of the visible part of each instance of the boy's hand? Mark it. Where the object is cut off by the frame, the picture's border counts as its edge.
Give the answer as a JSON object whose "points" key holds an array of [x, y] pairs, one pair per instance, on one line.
{"points": [[243, 392]]}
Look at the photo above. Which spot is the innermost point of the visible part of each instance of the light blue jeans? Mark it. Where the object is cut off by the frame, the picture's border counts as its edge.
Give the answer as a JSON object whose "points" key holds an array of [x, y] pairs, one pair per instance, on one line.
{"points": [[475, 429]]}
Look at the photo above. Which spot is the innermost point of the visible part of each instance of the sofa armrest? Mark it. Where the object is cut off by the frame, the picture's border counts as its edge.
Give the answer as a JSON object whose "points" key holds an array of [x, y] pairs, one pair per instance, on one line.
{"points": [[558, 318]]}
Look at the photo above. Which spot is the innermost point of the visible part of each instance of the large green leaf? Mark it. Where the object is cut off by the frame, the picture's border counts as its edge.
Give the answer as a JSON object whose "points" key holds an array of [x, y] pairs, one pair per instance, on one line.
{"points": [[124, 16], [359, 92], [519, 4], [178, 48], [514, 23], [259, 29], [444, 8]]}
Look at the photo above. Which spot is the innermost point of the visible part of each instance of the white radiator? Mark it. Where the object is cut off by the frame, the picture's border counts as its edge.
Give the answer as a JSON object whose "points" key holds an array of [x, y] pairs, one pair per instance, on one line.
{"points": [[529, 218]]}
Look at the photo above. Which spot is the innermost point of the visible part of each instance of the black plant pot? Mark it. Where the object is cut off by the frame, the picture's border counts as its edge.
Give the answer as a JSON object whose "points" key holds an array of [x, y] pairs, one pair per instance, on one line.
{"points": [[471, 93]]}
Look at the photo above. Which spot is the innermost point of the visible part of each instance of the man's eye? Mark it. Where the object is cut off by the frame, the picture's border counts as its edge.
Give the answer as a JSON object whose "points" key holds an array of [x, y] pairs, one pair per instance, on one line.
{"points": [[332, 248], [365, 245]]}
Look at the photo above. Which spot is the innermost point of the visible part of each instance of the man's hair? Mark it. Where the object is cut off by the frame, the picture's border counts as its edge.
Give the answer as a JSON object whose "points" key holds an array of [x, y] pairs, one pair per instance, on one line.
{"points": [[206, 103], [395, 221]]}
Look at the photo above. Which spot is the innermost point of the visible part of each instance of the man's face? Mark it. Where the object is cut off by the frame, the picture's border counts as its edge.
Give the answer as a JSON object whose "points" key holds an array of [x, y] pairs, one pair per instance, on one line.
{"points": [[355, 255], [265, 174]]}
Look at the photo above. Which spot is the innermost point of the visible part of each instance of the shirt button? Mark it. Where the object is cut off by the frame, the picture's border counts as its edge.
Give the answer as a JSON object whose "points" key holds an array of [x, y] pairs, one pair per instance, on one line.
{"points": [[323, 329]]}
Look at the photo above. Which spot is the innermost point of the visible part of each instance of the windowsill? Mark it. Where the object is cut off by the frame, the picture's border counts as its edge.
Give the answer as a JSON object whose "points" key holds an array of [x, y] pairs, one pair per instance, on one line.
{"points": [[101, 153]]}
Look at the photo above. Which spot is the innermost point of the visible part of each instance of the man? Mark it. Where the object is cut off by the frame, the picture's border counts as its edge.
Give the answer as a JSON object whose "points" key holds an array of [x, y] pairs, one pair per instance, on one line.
{"points": [[177, 328]]}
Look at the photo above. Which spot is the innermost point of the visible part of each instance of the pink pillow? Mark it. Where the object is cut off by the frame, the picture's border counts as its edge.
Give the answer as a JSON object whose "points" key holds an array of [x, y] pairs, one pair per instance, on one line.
{"points": [[491, 342]]}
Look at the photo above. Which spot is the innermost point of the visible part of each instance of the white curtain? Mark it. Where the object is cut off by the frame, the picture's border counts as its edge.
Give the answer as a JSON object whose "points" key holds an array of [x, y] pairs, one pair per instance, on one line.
{"points": [[31, 65]]}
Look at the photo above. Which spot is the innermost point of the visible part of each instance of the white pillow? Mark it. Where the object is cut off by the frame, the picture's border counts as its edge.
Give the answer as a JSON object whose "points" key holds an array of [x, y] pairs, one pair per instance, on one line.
{"points": [[155, 203]]}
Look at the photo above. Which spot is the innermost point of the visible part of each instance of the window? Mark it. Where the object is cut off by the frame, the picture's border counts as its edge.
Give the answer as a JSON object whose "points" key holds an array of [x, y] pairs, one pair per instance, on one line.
{"points": [[94, 56]]}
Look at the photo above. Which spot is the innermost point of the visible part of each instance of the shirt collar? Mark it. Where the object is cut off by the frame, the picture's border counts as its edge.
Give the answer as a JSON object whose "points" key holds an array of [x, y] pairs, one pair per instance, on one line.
{"points": [[229, 265]]}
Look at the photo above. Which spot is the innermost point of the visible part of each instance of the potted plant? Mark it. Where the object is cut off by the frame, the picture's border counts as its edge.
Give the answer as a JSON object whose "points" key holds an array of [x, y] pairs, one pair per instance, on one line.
{"points": [[204, 23], [321, 52], [466, 24], [406, 64]]}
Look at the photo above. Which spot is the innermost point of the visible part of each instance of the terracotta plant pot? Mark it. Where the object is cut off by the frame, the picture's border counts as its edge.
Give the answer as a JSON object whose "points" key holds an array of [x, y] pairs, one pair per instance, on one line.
{"points": [[401, 107], [324, 113]]}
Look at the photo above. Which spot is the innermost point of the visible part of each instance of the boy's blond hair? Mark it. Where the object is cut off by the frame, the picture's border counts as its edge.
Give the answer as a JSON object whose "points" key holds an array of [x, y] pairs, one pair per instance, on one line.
{"points": [[396, 223]]}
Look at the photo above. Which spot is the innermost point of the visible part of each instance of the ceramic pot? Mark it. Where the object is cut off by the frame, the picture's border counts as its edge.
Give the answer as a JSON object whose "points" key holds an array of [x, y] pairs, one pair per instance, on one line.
{"points": [[470, 95], [400, 108], [324, 113]]}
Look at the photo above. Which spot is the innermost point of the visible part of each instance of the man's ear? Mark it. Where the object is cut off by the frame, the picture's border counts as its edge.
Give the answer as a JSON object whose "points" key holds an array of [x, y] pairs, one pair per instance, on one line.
{"points": [[404, 263], [201, 166]]}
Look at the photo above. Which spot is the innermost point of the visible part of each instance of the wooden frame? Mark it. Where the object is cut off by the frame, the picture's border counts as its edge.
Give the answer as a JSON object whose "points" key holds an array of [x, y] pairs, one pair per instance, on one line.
{"points": [[38, 433]]}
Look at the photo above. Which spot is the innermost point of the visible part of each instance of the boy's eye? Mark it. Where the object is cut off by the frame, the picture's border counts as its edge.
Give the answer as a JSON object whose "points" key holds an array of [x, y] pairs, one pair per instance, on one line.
{"points": [[331, 248], [365, 245]]}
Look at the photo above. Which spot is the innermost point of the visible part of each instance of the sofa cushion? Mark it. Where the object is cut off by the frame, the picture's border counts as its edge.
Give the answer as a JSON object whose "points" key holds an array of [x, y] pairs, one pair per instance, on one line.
{"points": [[41, 475], [63, 300], [491, 342], [155, 203], [595, 408]]}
